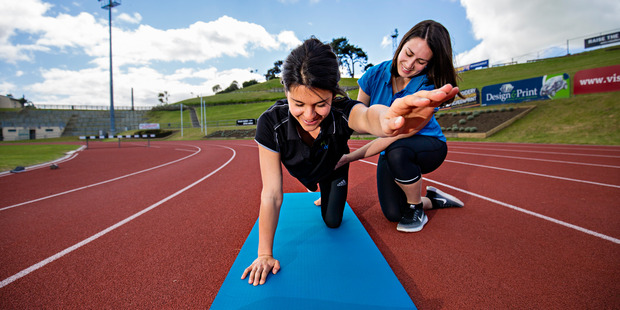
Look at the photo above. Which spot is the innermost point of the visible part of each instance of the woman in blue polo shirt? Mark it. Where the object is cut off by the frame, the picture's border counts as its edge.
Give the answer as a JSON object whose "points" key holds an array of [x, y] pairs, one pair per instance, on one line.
{"points": [[308, 134], [422, 61]]}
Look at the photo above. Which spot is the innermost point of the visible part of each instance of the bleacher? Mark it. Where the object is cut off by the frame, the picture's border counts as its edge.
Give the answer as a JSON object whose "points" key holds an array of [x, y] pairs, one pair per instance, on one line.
{"points": [[34, 118], [69, 122], [98, 122]]}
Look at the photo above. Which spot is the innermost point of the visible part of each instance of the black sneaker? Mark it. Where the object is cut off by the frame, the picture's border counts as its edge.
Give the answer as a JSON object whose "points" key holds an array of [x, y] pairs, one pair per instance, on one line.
{"points": [[442, 200], [414, 223]]}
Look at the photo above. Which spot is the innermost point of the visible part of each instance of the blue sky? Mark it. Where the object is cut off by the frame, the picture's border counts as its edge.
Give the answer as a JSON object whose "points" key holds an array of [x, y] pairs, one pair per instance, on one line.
{"points": [[56, 52]]}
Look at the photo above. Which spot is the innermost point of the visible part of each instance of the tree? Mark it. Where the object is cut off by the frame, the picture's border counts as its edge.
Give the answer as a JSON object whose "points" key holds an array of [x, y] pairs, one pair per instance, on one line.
{"points": [[163, 97], [273, 72], [349, 55], [22, 100], [249, 83], [233, 86], [216, 88]]}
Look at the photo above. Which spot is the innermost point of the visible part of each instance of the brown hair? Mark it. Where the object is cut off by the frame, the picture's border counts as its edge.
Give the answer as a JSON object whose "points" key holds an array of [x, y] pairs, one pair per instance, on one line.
{"points": [[314, 65], [440, 69]]}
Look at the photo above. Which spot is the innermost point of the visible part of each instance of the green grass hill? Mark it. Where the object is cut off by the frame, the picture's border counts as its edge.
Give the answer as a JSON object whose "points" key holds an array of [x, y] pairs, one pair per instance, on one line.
{"points": [[583, 119]]}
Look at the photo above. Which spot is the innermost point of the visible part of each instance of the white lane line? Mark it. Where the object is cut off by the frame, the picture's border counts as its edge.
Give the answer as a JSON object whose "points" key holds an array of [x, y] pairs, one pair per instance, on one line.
{"points": [[94, 237], [535, 174], [530, 151], [537, 159], [538, 215], [544, 217], [100, 183], [531, 146]]}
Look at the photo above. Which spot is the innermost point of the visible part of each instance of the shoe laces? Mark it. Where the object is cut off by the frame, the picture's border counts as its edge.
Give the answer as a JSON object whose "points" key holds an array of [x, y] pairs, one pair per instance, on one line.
{"points": [[418, 212]]}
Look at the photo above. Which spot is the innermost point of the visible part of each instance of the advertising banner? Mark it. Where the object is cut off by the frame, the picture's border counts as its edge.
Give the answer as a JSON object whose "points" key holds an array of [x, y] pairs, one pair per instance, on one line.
{"points": [[148, 126], [538, 88], [472, 97], [597, 80], [474, 66], [602, 40]]}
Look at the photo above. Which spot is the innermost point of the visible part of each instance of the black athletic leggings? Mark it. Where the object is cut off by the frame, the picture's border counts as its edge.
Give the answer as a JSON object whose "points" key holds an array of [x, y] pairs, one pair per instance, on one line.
{"points": [[404, 162], [334, 195]]}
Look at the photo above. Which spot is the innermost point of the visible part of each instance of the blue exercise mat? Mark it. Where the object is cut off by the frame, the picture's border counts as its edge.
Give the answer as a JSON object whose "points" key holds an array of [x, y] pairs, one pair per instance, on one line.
{"points": [[321, 268]]}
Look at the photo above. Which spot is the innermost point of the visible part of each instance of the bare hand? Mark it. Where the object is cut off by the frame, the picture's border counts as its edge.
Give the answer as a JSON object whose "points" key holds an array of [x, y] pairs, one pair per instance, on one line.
{"points": [[260, 268], [411, 113], [343, 161]]}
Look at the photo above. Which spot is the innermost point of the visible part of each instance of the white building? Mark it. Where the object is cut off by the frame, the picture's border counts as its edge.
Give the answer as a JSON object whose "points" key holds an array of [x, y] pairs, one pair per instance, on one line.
{"points": [[10, 103]]}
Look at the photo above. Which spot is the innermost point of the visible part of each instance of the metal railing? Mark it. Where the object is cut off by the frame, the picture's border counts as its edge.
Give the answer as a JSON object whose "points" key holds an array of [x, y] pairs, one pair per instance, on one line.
{"points": [[90, 107]]}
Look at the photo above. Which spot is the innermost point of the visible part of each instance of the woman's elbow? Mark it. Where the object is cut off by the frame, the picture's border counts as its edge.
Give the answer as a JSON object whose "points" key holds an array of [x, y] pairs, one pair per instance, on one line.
{"points": [[270, 198]]}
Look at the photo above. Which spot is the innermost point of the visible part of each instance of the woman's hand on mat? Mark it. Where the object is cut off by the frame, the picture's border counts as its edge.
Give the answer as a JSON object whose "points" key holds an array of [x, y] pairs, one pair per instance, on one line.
{"points": [[260, 268]]}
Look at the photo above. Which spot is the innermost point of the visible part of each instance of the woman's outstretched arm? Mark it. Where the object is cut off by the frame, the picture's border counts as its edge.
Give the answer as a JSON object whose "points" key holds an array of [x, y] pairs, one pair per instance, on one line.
{"points": [[271, 201], [405, 115]]}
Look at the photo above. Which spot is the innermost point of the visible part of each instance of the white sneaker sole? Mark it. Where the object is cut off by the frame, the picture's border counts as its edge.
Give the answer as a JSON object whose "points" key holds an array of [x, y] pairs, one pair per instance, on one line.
{"points": [[416, 229]]}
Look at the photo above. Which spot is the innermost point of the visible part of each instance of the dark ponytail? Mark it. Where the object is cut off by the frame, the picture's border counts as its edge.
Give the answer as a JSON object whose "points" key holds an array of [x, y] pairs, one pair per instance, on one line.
{"points": [[314, 65]]}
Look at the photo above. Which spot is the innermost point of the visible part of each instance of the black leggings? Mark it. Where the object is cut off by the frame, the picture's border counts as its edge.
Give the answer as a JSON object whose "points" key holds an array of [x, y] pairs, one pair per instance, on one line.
{"points": [[334, 195], [404, 162]]}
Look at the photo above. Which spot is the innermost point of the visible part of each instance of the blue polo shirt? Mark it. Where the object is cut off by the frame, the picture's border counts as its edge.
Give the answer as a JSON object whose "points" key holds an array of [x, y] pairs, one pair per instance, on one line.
{"points": [[376, 83]]}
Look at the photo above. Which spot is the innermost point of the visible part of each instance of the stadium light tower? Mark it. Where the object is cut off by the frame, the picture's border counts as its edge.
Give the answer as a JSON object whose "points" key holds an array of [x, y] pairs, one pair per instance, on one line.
{"points": [[394, 44], [108, 5]]}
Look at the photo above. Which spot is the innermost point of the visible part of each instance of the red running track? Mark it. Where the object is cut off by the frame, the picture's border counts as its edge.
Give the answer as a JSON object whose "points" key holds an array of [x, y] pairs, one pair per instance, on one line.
{"points": [[160, 226]]}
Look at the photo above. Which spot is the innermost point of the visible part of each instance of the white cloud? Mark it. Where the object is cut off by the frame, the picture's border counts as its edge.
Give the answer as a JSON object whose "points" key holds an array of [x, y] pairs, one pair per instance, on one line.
{"points": [[199, 42], [135, 19], [66, 31], [139, 54], [23, 16], [526, 29], [386, 41], [288, 39], [6, 88], [91, 86]]}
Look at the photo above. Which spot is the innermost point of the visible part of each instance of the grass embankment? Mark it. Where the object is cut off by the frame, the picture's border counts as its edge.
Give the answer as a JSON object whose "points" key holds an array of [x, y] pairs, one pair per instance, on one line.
{"points": [[587, 119], [222, 109], [584, 119], [13, 155]]}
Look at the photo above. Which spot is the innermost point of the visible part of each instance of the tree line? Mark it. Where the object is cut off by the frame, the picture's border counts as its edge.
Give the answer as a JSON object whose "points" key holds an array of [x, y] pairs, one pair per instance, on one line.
{"points": [[349, 56]]}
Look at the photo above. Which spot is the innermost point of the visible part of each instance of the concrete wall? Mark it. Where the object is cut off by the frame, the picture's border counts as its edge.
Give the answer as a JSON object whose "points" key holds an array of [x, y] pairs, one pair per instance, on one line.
{"points": [[27, 133]]}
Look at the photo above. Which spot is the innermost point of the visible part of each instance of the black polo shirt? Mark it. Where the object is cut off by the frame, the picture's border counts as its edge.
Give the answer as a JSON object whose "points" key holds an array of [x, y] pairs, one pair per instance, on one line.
{"points": [[276, 130]]}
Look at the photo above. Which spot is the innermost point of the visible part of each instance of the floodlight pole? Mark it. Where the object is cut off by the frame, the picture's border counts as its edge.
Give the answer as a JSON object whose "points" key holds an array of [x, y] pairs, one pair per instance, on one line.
{"points": [[394, 42], [202, 116], [108, 5], [204, 113], [181, 119]]}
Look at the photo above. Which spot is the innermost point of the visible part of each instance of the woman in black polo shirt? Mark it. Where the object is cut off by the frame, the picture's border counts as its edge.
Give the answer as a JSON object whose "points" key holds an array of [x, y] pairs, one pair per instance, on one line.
{"points": [[308, 132]]}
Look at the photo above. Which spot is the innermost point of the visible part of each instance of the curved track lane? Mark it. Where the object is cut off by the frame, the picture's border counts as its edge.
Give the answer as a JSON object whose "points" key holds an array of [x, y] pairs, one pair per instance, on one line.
{"points": [[159, 227]]}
